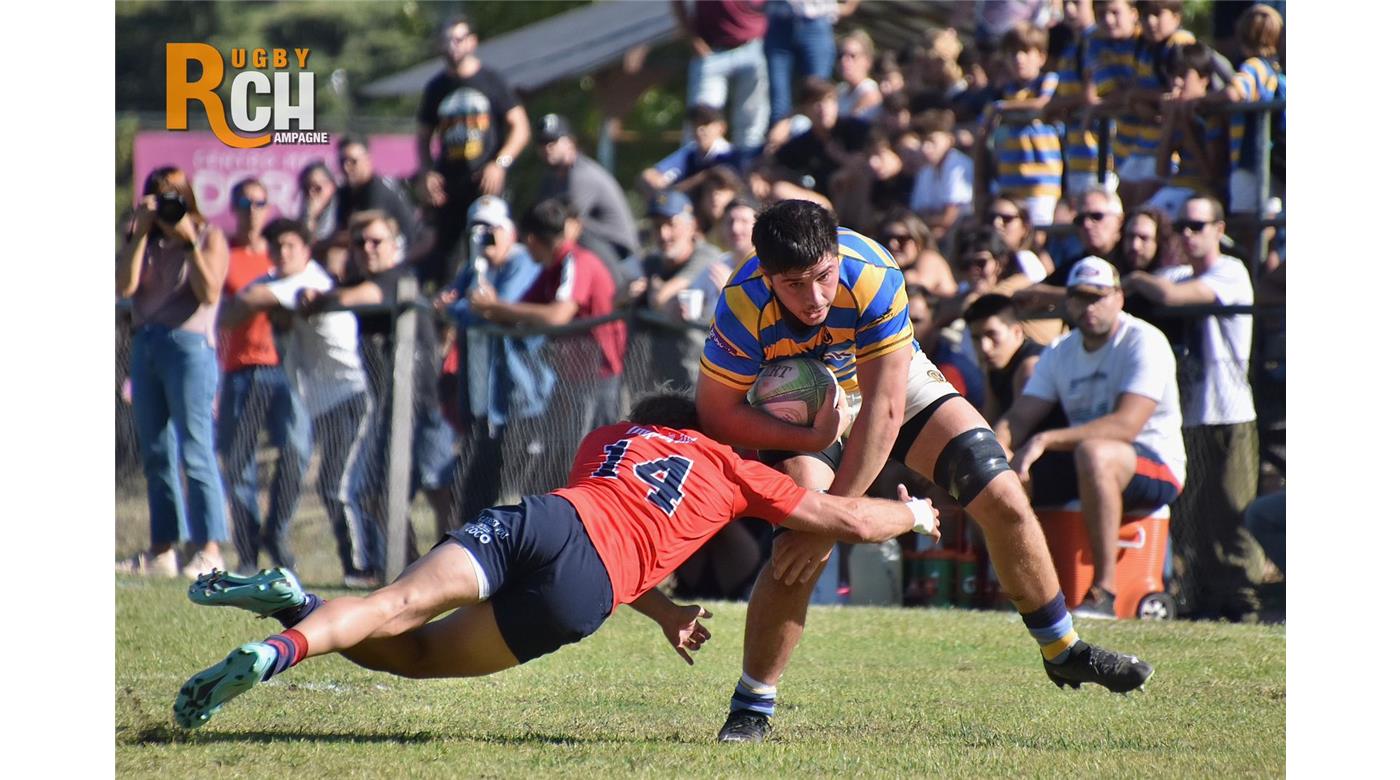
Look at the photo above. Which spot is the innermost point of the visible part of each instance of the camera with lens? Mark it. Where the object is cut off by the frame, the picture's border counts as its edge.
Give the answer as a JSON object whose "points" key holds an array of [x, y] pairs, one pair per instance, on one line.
{"points": [[484, 235], [171, 207]]}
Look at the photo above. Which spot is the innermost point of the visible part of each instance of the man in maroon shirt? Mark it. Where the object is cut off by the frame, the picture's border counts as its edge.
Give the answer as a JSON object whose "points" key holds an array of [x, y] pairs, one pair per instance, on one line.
{"points": [[727, 39], [573, 285]]}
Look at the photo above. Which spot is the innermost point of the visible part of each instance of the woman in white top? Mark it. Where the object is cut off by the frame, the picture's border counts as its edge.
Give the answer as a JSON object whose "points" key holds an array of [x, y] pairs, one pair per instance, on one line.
{"points": [[856, 93]]}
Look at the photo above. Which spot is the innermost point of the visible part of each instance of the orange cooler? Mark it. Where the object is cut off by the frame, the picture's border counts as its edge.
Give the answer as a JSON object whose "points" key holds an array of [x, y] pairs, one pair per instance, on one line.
{"points": [[1142, 550]]}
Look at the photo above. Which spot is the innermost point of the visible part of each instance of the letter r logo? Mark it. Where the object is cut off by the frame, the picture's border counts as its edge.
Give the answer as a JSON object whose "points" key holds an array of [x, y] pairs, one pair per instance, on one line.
{"points": [[179, 91]]}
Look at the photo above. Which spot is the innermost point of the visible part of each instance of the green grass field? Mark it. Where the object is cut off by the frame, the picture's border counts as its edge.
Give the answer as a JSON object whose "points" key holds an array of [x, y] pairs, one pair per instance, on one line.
{"points": [[872, 691]]}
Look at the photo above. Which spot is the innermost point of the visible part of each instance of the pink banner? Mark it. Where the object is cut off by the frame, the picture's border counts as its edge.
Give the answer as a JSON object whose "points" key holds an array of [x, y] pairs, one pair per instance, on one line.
{"points": [[214, 168]]}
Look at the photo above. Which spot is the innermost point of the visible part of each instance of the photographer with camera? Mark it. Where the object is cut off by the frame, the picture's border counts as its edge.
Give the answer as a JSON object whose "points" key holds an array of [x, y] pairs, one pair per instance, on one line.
{"points": [[172, 267], [501, 381]]}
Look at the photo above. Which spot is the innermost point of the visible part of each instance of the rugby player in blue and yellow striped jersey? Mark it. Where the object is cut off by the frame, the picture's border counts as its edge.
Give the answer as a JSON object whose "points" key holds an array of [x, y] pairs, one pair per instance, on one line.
{"points": [[816, 290]]}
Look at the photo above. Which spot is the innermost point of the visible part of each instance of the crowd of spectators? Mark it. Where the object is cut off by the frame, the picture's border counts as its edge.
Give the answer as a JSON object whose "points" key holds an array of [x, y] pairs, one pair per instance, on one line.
{"points": [[975, 160]]}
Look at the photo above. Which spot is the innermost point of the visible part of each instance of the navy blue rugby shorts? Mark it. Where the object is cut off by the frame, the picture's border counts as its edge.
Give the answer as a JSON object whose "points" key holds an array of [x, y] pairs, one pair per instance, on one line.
{"points": [[548, 586]]}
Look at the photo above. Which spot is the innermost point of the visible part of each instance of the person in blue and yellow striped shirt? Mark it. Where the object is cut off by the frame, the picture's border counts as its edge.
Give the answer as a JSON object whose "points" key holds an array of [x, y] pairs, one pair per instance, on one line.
{"points": [[1112, 75], [1259, 78], [817, 290], [1081, 143], [1029, 164], [1196, 142], [1159, 49]]}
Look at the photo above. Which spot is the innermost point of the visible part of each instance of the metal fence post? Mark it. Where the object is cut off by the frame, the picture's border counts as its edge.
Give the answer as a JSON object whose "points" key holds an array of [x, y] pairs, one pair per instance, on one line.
{"points": [[1262, 144], [1105, 131], [401, 428]]}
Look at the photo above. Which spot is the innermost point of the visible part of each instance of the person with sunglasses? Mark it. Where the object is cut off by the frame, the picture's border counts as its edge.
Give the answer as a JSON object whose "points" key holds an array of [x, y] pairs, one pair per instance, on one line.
{"points": [[1099, 223], [1114, 377], [986, 264], [1011, 219], [481, 129], [365, 191], [378, 256], [319, 194], [1218, 414], [907, 238], [857, 94], [255, 394]]}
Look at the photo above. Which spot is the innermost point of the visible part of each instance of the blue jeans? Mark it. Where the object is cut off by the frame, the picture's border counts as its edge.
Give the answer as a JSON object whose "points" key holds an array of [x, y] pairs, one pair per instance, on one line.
{"points": [[810, 44], [251, 399], [433, 453], [744, 68], [173, 378]]}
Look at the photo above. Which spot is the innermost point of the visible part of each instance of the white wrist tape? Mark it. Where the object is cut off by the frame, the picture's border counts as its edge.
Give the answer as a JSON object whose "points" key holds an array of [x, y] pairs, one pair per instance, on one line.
{"points": [[923, 515]]}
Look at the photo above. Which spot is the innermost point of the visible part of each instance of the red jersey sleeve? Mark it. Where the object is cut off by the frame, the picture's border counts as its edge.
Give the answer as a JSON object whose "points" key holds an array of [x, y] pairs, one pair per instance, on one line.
{"points": [[765, 492]]}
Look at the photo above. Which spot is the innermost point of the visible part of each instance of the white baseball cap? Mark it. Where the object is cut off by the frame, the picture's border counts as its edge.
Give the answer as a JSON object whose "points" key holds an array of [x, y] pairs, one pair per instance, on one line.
{"points": [[489, 210], [1093, 272]]}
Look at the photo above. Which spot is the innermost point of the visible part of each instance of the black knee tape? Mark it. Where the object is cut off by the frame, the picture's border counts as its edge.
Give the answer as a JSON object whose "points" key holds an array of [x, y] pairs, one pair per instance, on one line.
{"points": [[970, 461]]}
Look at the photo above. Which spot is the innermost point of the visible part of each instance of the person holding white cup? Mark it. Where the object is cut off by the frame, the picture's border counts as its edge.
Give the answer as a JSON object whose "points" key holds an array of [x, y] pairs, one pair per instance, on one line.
{"points": [[673, 284]]}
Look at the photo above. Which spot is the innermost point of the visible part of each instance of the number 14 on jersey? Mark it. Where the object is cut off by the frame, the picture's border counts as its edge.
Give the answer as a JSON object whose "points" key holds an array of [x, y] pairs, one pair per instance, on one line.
{"points": [[666, 476]]}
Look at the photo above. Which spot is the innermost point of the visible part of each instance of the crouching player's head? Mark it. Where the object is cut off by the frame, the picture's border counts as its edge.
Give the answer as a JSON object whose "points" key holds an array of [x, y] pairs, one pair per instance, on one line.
{"points": [[666, 408], [797, 252]]}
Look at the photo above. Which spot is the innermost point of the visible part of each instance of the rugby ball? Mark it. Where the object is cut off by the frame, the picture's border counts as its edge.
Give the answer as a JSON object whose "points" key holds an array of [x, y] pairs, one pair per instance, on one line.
{"points": [[793, 390]]}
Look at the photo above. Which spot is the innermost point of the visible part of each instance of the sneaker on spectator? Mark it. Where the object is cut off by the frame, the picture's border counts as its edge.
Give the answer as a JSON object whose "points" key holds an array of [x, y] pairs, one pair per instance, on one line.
{"points": [[202, 563], [1098, 604], [146, 565]]}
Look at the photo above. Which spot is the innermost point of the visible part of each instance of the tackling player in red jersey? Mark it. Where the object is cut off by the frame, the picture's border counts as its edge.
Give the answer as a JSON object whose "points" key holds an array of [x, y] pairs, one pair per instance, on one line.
{"points": [[525, 580]]}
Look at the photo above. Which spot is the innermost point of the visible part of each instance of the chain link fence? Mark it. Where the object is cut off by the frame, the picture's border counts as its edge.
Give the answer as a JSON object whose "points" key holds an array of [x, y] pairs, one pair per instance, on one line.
{"points": [[532, 453]]}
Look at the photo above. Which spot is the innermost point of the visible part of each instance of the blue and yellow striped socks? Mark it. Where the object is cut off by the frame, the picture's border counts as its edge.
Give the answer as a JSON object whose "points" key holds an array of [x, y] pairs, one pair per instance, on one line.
{"points": [[1053, 628], [754, 696]]}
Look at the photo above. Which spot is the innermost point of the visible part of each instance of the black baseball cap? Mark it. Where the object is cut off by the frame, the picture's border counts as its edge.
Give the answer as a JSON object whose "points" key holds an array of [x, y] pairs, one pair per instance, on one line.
{"points": [[551, 128]]}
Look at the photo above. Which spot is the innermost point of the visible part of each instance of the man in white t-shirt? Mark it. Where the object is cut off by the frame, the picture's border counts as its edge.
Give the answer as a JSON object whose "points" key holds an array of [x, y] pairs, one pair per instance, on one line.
{"points": [[1115, 378], [320, 353], [943, 186], [1217, 412]]}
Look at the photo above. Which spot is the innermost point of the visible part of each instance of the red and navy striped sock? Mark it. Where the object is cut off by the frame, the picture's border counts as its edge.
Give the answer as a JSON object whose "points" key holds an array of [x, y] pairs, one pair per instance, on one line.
{"points": [[292, 615], [291, 648]]}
